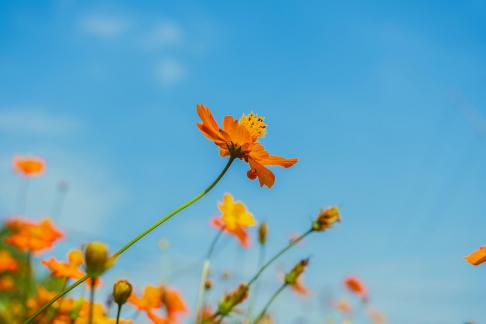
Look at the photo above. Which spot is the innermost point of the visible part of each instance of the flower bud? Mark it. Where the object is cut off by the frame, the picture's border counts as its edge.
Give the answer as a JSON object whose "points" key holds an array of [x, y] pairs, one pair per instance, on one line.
{"points": [[294, 274], [208, 284], [233, 299], [122, 289], [96, 258], [262, 233], [326, 219]]}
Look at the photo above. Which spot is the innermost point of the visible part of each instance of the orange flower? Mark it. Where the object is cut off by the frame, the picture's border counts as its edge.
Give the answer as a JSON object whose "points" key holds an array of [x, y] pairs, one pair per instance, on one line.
{"points": [[69, 269], [239, 139], [7, 284], [234, 219], [376, 316], [7, 262], [477, 257], [32, 237], [294, 277], [151, 299], [343, 306], [356, 286], [173, 302], [29, 166], [299, 288]]}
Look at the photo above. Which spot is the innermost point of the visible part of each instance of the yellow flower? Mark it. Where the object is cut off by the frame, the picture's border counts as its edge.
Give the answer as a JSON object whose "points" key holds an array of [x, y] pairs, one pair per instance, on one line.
{"points": [[234, 219]]}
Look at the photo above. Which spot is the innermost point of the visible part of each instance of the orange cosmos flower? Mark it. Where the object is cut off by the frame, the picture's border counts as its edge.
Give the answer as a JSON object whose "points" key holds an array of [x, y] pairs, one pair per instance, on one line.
{"points": [[356, 286], [294, 278], [173, 302], [343, 306], [7, 262], [29, 166], [376, 316], [69, 269], [477, 257], [150, 299], [239, 139], [234, 219], [32, 237]]}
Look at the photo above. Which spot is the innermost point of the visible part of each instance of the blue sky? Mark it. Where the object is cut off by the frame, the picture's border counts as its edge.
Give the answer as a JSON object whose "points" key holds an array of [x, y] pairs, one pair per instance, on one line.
{"points": [[383, 103]]}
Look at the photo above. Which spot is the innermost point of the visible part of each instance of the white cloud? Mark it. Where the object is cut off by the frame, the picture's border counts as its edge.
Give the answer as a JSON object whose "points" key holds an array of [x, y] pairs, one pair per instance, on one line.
{"points": [[170, 72], [104, 26], [165, 34], [32, 122]]}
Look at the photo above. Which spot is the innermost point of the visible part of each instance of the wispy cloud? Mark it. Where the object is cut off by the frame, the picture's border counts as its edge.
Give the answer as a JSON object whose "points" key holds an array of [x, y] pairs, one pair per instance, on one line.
{"points": [[34, 122], [170, 72], [104, 26], [165, 34]]}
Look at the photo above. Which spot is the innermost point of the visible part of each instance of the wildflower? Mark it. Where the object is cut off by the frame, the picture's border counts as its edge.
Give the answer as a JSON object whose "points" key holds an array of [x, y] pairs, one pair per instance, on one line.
{"points": [[376, 316], [173, 302], [29, 166], [97, 259], [477, 257], [233, 299], [235, 219], [357, 287], [293, 278], [69, 269], [262, 233], [326, 219], [122, 290], [239, 139], [7, 262], [150, 299], [32, 237], [7, 284], [343, 306]]}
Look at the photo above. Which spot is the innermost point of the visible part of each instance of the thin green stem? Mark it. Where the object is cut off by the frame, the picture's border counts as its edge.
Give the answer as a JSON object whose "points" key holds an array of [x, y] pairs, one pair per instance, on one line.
{"points": [[118, 312], [272, 299], [276, 256], [91, 299], [137, 238], [204, 275]]}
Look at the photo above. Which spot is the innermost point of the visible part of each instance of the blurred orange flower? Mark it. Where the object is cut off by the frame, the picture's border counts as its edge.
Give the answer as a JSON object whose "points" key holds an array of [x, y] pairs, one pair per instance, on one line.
{"points": [[239, 139], [32, 237], [477, 257], [7, 262], [69, 269], [234, 219], [356, 286], [29, 165], [154, 298], [343, 306], [7, 284], [376, 316], [299, 288]]}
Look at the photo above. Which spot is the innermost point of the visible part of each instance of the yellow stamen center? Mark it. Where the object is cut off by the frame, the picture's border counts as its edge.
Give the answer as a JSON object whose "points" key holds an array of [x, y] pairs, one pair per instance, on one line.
{"points": [[254, 124]]}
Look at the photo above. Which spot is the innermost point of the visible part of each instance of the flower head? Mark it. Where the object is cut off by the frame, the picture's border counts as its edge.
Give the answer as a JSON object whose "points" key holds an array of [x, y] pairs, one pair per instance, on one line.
{"points": [[7, 262], [32, 237], [29, 166], [122, 290], [69, 269], [234, 219], [233, 299], [356, 286], [343, 306], [294, 277], [239, 139], [326, 219], [477, 257], [173, 302], [97, 258]]}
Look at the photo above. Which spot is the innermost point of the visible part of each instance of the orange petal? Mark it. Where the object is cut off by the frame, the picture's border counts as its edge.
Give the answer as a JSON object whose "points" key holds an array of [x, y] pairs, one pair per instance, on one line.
{"points": [[265, 176], [477, 257]]}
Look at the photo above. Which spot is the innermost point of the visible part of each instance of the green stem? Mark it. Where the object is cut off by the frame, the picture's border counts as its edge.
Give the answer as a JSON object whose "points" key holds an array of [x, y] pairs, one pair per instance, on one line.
{"points": [[137, 238], [274, 296], [91, 299], [204, 276], [276, 256], [118, 312]]}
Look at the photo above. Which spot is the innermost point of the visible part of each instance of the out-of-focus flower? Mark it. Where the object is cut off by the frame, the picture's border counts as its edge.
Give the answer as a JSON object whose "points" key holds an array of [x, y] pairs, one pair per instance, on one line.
{"points": [[122, 290], [150, 299], [173, 303], [234, 219], [206, 314], [69, 269], [7, 284], [356, 286], [232, 299], [29, 166], [32, 237], [342, 305], [376, 316], [326, 219], [294, 277], [262, 233], [7, 262], [477, 257], [97, 259], [239, 139]]}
